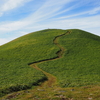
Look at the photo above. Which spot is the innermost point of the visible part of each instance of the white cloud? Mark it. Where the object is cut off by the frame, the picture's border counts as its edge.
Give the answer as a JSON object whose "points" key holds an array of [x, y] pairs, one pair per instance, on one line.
{"points": [[11, 4], [91, 24], [47, 10], [12, 26], [94, 11], [43, 18], [3, 41]]}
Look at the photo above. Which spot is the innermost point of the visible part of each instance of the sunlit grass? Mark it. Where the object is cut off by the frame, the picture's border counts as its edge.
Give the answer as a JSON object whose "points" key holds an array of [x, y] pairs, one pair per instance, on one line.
{"points": [[78, 66], [16, 55]]}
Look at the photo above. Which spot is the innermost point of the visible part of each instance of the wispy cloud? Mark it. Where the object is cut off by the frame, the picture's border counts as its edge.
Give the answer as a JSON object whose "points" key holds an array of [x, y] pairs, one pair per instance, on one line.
{"points": [[47, 10], [51, 14], [11, 26], [11, 4], [95, 10], [82, 23], [3, 40], [88, 12]]}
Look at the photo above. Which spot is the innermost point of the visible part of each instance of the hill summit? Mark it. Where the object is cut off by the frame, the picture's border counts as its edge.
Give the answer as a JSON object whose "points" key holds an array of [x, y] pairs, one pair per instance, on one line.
{"points": [[72, 56]]}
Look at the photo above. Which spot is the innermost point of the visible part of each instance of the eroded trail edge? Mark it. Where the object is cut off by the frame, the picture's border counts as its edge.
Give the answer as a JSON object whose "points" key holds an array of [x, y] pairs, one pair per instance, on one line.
{"points": [[51, 80]]}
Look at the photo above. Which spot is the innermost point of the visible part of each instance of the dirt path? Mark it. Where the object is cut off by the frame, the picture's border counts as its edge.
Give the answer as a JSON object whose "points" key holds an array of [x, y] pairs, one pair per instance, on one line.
{"points": [[52, 81], [48, 88]]}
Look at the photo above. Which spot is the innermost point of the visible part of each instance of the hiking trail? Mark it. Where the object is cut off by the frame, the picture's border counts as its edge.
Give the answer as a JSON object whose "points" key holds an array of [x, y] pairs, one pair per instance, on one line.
{"points": [[52, 81]]}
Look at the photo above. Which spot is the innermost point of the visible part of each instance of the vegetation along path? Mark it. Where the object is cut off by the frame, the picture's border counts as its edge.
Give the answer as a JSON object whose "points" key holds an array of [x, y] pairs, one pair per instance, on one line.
{"points": [[50, 86], [51, 79], [74, 83]]}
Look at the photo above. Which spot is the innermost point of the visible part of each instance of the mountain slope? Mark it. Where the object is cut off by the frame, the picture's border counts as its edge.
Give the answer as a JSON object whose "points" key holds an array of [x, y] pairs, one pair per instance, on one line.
{"points": [[16, 55], [78, 66]]}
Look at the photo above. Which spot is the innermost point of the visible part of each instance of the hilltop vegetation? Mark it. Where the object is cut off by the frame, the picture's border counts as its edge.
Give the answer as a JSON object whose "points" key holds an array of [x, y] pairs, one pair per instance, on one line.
{"points": [[78, 66]]}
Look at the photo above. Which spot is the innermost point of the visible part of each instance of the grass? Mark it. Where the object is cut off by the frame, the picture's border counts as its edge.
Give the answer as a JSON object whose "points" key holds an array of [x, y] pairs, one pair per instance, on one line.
{"points": [[56, 93], [78, 66], [15, 74]]}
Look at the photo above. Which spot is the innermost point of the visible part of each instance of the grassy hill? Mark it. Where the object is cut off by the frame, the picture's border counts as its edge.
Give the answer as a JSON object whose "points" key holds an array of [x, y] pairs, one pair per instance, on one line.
{"points": [[79, 65]]}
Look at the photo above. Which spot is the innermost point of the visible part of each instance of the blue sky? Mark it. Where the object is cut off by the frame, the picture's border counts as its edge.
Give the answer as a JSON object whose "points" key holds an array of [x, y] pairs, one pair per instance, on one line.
{"points": [[19, 17]]}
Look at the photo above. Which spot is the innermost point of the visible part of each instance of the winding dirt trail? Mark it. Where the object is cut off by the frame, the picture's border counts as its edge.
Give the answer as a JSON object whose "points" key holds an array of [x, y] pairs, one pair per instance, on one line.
{"points": [[52, 81], [49, 87], [49, 90]]}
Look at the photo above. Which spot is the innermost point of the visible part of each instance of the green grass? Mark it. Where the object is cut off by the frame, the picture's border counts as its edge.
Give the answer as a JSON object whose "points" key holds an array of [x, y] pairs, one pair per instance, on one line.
{"points": [[15, 74], [79, 65]]}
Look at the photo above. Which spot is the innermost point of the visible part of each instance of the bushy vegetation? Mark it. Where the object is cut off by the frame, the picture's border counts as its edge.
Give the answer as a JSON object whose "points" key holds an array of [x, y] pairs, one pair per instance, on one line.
{"points": [[15, 74], [80, 64]]}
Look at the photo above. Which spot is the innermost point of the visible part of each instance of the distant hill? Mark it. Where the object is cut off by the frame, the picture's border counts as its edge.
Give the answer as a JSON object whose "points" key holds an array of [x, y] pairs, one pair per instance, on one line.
{"points": [[78, 64]]}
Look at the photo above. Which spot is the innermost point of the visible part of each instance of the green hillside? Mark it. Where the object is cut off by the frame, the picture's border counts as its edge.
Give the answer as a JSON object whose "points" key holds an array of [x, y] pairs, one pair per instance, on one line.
{"points": [[79, 64]]}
